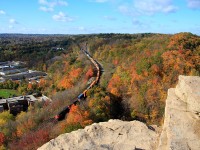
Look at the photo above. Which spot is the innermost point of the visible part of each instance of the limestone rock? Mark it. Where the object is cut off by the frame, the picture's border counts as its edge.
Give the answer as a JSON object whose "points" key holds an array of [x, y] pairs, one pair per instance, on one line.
{"points": [[188, 90], [112, 135], [181, 130]]}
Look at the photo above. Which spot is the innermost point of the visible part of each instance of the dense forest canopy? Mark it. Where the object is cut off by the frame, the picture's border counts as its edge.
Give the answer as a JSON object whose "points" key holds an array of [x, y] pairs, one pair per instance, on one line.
{"points": [[26, 47], [138, 71]]}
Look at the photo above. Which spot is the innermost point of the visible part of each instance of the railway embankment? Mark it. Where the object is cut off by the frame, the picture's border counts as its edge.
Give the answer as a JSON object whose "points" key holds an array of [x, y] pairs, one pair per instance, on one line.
{"points": [[180, 130]]}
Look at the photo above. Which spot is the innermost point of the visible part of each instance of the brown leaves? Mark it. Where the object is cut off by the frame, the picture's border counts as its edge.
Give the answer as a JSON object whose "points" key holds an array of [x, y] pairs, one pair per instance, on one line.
{"points": [[31, 140], [2, 138], [155, 69], [184, 41]]}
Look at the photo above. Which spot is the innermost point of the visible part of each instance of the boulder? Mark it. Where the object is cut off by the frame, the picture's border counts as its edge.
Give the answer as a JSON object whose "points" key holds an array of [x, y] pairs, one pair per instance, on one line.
{"points": [[112, 135]]}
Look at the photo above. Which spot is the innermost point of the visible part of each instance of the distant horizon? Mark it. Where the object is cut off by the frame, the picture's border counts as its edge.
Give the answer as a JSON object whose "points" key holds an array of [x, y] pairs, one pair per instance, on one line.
{"points": [[93, 33], [76, 17]]}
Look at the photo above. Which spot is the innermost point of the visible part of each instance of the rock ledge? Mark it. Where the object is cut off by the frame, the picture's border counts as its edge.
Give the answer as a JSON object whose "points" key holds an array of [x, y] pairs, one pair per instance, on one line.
{"points": [[181, 129], [114, 134]]}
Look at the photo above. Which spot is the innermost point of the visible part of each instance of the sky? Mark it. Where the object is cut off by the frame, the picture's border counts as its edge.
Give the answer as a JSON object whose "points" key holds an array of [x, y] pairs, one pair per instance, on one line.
{"points": [[99, 16]]}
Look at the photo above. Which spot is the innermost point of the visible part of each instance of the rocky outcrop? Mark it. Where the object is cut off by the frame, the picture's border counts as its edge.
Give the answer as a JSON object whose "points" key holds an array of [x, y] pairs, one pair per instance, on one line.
{"points": [[181, 130], [112, 135]]}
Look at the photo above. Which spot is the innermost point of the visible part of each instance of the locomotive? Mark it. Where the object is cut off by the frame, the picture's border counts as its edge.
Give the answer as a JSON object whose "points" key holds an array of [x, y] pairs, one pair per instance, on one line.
{"points": [[61, 115]]}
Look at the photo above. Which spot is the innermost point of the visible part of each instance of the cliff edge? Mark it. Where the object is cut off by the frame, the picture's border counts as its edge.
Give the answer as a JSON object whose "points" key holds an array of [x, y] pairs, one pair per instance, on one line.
{"points": [[114, 134], [181, 129]]}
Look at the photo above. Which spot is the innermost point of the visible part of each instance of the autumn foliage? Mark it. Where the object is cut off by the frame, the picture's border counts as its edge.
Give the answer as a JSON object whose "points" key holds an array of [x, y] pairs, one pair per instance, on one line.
{"points": [[138, 71], [70, 78], [2, 138], [146, 67], [76, 118], [32, 140], [184, 41], [89, 74]]}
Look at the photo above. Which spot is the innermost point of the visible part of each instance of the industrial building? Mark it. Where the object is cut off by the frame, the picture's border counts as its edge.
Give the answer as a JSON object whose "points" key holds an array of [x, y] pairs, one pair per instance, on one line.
{"points": [[21, 103], [16, 71]]}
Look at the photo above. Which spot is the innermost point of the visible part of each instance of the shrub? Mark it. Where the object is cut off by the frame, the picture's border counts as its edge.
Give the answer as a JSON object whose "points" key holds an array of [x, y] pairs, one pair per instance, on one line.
{"points": [[72, 127]]}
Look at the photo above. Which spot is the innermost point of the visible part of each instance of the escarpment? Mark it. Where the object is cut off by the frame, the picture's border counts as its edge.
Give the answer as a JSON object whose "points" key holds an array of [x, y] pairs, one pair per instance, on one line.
{"points": [[180, 131]]}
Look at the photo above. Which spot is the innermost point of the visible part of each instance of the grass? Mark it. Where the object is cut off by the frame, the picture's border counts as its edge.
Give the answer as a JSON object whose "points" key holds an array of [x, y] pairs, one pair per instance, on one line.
{"points": [[6, 93]]}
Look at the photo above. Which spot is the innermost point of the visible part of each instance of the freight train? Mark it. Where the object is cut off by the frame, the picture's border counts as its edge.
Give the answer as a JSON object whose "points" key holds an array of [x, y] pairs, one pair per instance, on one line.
{"points": [[61, 115]]}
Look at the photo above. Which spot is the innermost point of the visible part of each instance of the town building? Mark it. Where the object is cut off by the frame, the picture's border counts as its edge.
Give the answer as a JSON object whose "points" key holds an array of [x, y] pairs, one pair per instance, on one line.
{"points": [[16, 71], [20, 103]]}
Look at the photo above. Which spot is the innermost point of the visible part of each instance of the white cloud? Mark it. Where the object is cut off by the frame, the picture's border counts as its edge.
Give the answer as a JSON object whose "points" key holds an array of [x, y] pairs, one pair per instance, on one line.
{"points": [[170, 9], [2, 12], [154, 6], [46, 9], [12, 21], [43, 2], [194, 4], [147, 7], [48, 5], [62, 17], [62, 3]]}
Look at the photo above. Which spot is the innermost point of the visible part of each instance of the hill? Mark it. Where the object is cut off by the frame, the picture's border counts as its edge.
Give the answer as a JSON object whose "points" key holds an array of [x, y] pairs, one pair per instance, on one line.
{"points": [[138, 70]]}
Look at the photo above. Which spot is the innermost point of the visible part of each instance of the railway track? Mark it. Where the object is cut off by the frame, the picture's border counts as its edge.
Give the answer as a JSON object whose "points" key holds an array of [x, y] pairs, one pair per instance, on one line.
{"points": [[61, 115]]}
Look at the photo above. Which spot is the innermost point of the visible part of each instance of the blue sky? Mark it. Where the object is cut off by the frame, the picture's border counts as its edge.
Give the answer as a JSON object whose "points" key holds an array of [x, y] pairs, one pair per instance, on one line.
{"points": [[99, 16]]}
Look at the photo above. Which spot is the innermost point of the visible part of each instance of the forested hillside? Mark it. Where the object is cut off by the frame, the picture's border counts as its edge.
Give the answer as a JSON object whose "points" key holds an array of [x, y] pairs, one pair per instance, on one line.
{"points": [[141, 69], [138, 70]]}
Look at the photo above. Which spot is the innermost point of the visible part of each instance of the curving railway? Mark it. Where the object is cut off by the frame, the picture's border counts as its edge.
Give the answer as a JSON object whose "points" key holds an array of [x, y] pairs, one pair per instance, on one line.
{"points": [[61, 115]]}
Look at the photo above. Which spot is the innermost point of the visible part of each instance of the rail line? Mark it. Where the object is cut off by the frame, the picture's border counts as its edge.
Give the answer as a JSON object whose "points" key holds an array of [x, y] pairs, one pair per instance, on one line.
{"points": [[61, 115]]}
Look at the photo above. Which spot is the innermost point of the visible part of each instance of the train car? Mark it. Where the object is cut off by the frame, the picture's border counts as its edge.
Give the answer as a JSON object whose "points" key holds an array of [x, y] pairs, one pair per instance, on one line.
{"points": [[75, 102], [88, 87], [93, 83], [84, 93], [81, 96], [61, 115]]}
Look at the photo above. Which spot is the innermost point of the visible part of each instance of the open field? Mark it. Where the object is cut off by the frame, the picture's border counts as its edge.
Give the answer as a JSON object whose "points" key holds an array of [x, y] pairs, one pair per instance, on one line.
{"points": [[5, 93]]}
